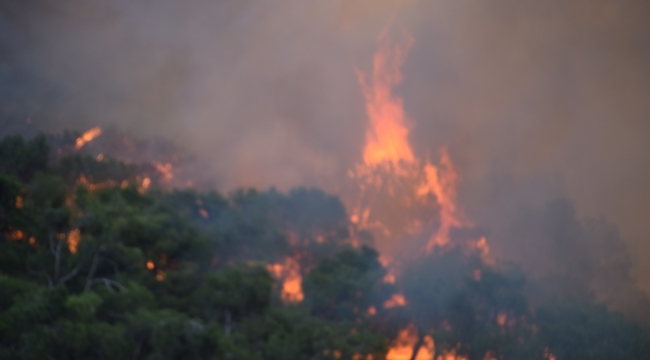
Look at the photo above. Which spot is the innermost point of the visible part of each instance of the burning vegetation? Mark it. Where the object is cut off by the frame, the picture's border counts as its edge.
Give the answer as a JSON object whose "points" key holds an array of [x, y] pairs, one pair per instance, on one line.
{"points": [[109, 253], [256, 275]]}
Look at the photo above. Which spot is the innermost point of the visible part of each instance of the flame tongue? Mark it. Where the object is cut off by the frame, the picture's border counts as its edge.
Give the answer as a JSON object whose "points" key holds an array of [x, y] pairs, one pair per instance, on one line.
{"points": [[87, 137], [390, 165], [442, 183], [387, 138]]}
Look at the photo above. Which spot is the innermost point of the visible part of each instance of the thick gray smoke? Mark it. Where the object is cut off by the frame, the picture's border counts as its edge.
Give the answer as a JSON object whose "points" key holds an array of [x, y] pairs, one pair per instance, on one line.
{"points": [[537, 101]]}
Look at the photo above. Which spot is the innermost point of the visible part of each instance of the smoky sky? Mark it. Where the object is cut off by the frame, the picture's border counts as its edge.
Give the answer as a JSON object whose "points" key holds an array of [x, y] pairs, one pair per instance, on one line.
{"points": [[536, 100]]}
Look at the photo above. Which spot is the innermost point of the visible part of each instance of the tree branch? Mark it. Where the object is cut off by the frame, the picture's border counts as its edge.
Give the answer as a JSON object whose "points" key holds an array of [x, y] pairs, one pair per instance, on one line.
{"points": [[109, 284], [49, 279], [70, 275], [115, 267], [136, 353], [57, 259], [52, 245], [91, 273]]}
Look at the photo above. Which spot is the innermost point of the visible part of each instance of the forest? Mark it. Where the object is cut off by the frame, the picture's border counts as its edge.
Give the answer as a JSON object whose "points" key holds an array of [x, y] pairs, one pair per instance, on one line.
{"points": [[96, 263]]}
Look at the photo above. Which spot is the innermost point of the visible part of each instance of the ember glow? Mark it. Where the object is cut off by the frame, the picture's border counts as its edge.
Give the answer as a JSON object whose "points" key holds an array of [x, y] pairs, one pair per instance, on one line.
{"points": [[74, 238], [395, 301], [15, 235], [165, 170], [289, 273], [87, 137]]}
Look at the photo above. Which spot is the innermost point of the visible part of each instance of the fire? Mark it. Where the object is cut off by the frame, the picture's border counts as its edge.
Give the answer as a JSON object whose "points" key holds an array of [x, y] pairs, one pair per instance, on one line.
{"points": [[410, 187], [390, 165], [95, 186], [386, 262], [150, 265], [74, 238], [428, 349], [402, 348], [145, 185], [19, 202], [289, 273], [394, 301], [502, 318], [87, 137], [160, 275], [483, 249], [387, 138], [389, 278], [442, 183], [16, 235], [451, 355], [165, 170], [548, 355]]}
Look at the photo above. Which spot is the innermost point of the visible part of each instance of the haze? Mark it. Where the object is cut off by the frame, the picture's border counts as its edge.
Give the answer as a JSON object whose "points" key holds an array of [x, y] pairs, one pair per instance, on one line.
{"points": [[536, 101]]}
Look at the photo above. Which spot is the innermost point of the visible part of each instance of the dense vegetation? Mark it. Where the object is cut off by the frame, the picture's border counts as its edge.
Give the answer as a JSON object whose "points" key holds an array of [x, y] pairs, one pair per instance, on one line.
{"points": [[102, 269]]}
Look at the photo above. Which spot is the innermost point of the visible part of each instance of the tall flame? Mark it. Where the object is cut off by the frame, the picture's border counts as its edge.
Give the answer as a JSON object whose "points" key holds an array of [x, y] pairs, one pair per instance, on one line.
{"points": [[442, 183], [87, 137], [387, 138], [387, 147]]}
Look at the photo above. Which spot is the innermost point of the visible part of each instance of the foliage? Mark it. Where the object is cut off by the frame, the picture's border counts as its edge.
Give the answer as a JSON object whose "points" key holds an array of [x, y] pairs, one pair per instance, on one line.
{"points": [[115, 272]]}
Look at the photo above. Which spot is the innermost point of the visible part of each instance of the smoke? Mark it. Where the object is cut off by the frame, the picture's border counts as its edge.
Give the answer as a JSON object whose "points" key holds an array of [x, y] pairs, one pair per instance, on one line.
{"points": [[536, 101]]}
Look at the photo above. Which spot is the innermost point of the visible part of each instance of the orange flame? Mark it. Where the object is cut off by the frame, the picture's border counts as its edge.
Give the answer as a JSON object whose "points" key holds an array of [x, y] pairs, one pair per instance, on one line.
{"points": [[428, 349], [402, 348], [483, 249], [394, 301], [386, 262], [87, 137], [548, 355], [95, 186], [74, 238], [387, 147], [160, 275], [16, 235], [146, 182], [451, 355], [387, 138], [289, 273], [442, 183], [19, 202], [502, 317], [165, 170]]}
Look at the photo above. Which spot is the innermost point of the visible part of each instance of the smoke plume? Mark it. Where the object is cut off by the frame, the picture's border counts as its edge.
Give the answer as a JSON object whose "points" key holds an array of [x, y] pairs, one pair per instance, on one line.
{"points": [[544, 106]]}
